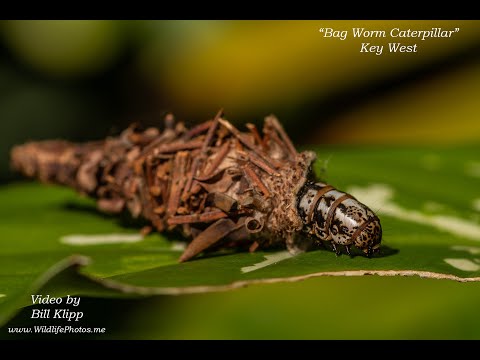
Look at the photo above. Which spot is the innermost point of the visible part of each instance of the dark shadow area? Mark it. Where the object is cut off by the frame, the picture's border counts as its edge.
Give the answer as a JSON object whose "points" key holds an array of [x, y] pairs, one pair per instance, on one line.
{"points": [[354, 252], [384, 250]]}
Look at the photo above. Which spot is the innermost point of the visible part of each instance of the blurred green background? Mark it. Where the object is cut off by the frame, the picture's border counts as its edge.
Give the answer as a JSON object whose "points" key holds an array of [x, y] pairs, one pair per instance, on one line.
{"points": [[82, 80]]}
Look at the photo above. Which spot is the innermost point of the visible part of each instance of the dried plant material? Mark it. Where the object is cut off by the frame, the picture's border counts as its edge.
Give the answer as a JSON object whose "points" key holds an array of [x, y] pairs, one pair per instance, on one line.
{"points": [[214, 183]]}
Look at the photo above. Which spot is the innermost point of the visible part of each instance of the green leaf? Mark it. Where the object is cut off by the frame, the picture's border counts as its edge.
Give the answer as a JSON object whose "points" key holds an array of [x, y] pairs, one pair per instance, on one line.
{"points": [[428, 202]]}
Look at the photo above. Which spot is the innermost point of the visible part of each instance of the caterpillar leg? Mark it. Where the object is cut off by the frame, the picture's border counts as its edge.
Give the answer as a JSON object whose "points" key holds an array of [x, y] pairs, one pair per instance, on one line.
{"points": [[335, 249], [347, 249]]}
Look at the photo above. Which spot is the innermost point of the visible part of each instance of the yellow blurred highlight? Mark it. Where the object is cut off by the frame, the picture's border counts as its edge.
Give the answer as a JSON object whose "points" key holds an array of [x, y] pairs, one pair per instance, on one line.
{"points": [[64, 47], [444, 110], [264, 64]]}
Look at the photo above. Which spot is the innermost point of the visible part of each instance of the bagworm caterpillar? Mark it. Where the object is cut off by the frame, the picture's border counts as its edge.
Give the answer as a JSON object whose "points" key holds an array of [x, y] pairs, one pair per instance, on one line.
{"points": [[221, 187]]}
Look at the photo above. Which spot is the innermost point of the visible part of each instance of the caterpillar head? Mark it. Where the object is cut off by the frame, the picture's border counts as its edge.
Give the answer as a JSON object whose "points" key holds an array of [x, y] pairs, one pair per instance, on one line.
{"points": [[332, 215]]}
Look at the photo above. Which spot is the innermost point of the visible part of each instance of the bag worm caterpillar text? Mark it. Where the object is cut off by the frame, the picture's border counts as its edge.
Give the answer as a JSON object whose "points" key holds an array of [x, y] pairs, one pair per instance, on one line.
{"points": [[395, 33]]}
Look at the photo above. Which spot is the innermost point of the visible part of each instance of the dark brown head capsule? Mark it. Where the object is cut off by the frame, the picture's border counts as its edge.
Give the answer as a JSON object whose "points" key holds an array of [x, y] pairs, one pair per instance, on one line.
{"points": [[332, 215]]}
